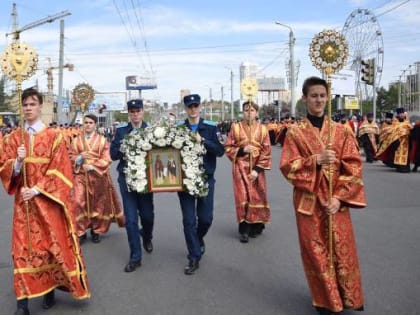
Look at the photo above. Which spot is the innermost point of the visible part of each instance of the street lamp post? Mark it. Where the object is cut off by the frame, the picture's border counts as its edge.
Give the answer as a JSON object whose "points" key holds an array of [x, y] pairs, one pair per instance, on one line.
{"points": [[291, 67]]}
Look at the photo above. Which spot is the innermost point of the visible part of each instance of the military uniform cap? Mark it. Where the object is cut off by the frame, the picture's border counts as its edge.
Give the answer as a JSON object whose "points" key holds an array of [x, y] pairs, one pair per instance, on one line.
{"points": [[400, 110], [135, 104], [192, 99]]}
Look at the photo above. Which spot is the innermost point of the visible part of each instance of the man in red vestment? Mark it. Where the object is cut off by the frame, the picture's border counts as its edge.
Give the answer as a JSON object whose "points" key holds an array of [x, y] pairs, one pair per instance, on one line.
{"points": [[306, 161], [248, 147], [96, 202], [45, 249]]}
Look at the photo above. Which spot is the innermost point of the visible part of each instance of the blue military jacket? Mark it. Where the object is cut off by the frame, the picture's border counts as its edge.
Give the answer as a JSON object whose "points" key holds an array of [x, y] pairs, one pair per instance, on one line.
{"points": [[208, 130], [115, 152]]}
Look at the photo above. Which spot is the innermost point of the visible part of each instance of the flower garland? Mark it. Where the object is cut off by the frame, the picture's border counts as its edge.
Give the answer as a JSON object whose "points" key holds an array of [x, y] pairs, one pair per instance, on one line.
{"points": [[136, 145]]}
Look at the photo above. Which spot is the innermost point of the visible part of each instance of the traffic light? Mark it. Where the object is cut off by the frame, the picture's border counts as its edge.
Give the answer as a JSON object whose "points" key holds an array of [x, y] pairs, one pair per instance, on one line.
{"points": [[368, 71]]}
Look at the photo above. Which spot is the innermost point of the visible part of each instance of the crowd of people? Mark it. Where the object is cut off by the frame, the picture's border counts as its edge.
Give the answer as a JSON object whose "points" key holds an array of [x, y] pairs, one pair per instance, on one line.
{"points": [[394, 140], [60, 177]]}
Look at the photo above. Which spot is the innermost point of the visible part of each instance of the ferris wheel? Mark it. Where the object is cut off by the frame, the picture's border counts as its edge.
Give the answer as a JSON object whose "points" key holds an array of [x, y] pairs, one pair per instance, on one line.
{"points": [[364, 37]]}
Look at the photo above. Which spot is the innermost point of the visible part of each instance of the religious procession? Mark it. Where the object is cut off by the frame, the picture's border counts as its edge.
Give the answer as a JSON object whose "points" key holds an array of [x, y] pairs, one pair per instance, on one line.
{"points": [[65, 196]]}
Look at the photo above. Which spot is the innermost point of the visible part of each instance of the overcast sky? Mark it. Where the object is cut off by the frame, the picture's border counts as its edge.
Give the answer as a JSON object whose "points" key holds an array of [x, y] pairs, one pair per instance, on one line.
{"points": [[194, 44]]}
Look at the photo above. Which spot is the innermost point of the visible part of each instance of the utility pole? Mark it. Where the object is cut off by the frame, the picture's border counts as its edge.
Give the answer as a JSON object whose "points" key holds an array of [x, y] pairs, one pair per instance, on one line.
{"points": [[374, 90], [399, 92], [232, 111], [60, 75], [211, 106], [418, 84], [223, 104], [292, 69]]}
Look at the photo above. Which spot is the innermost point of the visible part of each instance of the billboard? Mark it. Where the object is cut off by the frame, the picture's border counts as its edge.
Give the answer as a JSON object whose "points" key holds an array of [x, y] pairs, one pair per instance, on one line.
{"points": [[351, 102], [343, 83], [134, 82], [271, 84], [112, 101]]}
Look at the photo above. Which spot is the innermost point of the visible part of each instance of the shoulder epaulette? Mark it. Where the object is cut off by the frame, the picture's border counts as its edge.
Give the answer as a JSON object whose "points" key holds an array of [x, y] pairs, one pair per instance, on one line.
{"points": [[210, 122], [181, 123], [122, 125]]}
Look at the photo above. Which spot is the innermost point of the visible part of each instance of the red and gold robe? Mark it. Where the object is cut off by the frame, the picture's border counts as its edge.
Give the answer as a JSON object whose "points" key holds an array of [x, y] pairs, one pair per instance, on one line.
{"points": [[45, 248], [368, 131], [342, 288], [250, 197], [388, 152], [99, 206]]}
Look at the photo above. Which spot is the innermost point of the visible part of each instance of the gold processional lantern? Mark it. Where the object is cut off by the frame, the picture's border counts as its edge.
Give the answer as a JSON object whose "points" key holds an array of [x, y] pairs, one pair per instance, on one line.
{"points": [[83, 95], [328, 52], [19, 62], [249, 89]]}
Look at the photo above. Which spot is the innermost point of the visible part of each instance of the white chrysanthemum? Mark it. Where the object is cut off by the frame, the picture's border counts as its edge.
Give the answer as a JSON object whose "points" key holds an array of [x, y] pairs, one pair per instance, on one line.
{"points": [[160, 142], [177, 144], [142, 175], [188, 159], [189, 173], [159, 132], [146, 146]]}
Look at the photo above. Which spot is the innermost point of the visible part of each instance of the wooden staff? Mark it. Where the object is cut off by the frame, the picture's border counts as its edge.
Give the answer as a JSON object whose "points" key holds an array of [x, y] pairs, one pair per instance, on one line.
{"points": [[330, 173], [25, 180], [329, 52], [82, 106], [250, 134]]}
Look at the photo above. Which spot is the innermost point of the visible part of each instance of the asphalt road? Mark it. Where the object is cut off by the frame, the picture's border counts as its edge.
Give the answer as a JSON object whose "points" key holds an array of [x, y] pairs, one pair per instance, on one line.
{"points": [[262, 277]]}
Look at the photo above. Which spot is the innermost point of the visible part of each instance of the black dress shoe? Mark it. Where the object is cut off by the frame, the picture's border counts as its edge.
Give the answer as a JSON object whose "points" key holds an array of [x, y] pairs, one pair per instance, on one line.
{"points": [[49, 300], [325, 311], [82, 238], [191, 267], [243, 238], [96, 238], [21, 311], [147, 245], [132, 265], [202, 246]]}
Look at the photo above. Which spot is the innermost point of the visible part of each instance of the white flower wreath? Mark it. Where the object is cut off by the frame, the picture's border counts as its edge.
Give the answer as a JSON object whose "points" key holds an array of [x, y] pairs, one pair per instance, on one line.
{"points": [[136, 145]]}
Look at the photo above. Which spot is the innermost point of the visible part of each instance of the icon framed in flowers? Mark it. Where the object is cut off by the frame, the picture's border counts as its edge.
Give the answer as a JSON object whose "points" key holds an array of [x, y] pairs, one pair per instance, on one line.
{"points": [[164, 170]]}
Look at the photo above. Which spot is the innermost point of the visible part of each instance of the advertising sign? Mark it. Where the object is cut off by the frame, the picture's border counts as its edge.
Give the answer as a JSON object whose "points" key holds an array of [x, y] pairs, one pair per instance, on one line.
{"points": [[351, 102], [343, 83], [134, 82], [112, 101]]}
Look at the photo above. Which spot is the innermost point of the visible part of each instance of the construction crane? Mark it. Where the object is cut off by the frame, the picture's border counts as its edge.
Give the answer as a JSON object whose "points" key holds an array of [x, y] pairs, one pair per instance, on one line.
{"points": [[49, 72], [49, 19]]}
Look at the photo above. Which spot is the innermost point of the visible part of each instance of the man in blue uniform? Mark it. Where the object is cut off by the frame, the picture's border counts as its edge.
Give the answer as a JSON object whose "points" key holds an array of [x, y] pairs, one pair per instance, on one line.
{"points": [[135, 204], [197, 213]]}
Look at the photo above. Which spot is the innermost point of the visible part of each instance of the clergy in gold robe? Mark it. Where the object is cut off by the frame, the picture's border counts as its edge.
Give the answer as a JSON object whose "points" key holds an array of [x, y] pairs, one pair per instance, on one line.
{"points": [[395, 143], [305, 162], [45, 249], [248, 147], [368, 135], [96, 202]]}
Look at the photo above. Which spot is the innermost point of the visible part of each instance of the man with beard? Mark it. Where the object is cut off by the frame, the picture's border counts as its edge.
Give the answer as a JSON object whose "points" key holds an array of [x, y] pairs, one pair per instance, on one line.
{"points": [[368, 135], [394, 149]]}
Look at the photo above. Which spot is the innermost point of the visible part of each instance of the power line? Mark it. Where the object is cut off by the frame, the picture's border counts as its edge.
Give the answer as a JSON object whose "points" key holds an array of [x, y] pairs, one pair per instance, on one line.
{"points": [[393, 8], [186, 49], [132, 39]]}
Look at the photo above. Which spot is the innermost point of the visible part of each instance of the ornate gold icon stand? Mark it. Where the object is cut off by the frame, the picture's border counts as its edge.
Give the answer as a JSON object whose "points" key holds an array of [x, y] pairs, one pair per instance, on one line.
{"points": [[328, 52], [83, 95], [19, 62]]}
